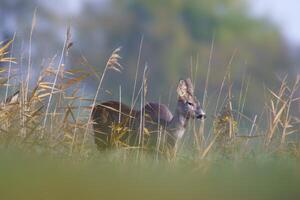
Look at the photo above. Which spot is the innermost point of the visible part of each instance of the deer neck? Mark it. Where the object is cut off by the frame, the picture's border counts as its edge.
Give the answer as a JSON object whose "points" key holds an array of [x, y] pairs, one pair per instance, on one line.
{"points": [[177, 125]]}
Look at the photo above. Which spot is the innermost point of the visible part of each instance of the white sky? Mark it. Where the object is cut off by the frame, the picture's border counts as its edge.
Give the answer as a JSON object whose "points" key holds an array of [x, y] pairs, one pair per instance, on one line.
{"points": [[285, 13]]}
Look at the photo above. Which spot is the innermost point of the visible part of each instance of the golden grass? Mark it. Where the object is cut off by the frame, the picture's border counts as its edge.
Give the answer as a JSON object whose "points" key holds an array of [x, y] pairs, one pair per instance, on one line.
{"points": [[54, 115]]}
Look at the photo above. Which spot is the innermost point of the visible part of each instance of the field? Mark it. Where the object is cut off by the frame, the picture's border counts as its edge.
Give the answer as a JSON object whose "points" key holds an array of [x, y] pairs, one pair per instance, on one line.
{"points": [[47, 149], [107, 176]]}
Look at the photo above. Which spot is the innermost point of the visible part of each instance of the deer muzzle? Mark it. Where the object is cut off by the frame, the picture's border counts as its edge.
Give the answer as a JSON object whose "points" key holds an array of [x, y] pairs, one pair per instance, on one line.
{"points": [[200, 114]]}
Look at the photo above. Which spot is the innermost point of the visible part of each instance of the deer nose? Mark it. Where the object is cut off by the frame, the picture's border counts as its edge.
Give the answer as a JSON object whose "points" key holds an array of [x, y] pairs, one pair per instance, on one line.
{"points": [[201, 115]]}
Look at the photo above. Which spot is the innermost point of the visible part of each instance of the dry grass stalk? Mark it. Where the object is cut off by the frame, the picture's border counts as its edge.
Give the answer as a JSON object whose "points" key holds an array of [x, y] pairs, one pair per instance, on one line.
{"points": [[22, 113], [280, 118], [112, 63]]}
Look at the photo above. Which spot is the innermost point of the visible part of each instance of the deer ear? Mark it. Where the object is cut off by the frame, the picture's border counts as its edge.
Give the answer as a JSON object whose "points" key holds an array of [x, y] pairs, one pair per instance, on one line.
{"points": [[182, 88], [190, 86]]}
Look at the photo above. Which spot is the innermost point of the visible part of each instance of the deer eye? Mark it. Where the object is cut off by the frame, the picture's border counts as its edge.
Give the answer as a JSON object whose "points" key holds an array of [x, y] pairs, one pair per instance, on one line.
{"points": [[189, 103]]}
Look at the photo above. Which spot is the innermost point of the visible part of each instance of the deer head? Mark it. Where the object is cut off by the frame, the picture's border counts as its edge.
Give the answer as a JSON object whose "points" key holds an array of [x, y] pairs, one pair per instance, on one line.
{"points": [[188, 104]]}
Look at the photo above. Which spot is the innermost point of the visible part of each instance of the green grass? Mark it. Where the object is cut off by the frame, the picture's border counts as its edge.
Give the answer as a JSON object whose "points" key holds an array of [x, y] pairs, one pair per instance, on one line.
{"points": [[104, 176]]}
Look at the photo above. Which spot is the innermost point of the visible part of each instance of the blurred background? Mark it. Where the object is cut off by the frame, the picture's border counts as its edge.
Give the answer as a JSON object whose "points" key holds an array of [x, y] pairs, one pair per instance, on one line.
{"points": [[259, 39]]}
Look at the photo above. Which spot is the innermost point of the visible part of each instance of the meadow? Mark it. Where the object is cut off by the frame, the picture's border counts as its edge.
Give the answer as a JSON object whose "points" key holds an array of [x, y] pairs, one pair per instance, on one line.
{"points": [[47, 148]]}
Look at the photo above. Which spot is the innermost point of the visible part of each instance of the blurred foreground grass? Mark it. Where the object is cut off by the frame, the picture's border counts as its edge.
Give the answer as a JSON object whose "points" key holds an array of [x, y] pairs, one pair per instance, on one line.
{"points": [[34, 176]]}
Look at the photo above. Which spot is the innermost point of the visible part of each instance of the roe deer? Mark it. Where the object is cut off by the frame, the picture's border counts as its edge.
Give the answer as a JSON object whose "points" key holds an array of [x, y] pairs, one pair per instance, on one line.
{"points": [[111, 117]]}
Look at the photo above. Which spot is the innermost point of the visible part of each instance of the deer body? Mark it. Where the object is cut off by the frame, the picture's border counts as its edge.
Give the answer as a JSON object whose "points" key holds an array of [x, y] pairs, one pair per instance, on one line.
{"points": [[113, 116]]}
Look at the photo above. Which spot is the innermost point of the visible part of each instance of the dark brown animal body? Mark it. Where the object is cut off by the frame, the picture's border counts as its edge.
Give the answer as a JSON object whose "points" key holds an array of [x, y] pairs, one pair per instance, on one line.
{"points": [[111, 117]]}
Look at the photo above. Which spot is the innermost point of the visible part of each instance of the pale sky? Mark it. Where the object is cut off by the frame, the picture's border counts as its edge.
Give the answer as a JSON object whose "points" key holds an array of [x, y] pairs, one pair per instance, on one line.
{"points": [[285, 13]]}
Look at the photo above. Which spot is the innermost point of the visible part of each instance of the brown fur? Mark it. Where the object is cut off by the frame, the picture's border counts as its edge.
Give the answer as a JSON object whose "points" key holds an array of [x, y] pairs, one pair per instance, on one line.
{"points": [[105, 115]]}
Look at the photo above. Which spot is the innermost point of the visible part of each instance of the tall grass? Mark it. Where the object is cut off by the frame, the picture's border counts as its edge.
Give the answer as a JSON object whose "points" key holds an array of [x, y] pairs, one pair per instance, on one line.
{"points": [[53, 116], [46, 136]]}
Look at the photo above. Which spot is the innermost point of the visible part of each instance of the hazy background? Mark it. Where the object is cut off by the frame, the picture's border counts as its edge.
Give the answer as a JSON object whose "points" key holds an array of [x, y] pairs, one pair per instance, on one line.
{"points": [[263, 37]]}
